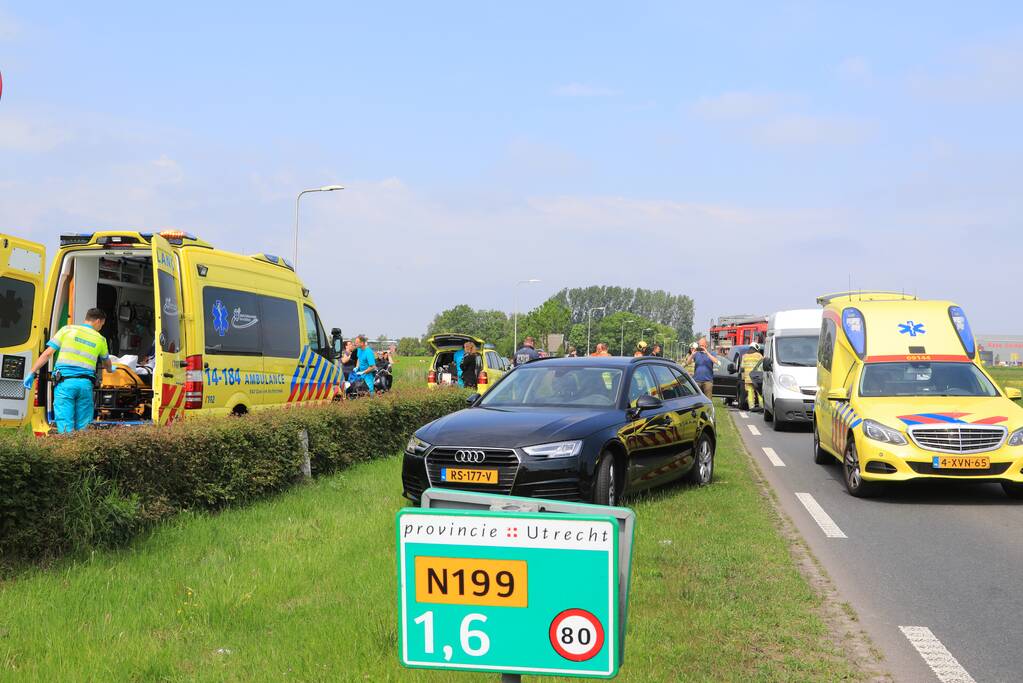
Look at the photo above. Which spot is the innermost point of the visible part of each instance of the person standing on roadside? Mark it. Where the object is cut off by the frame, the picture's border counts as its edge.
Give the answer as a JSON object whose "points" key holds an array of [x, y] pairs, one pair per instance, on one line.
{"points": [[80, 349], [749, 361], [688, 362], [349, 358], [366, 365], [642, 349], [572, 353], [601, 350], [471, 366], [657, 351], [527, 352], [703, 364]]}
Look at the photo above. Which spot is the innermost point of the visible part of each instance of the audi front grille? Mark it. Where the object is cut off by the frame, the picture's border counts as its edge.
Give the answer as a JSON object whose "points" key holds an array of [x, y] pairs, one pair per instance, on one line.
{"points": [[958, 438], [504, 460]]}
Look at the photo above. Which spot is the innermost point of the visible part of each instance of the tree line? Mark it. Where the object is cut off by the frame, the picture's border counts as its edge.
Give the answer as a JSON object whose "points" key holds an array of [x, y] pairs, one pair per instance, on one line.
{"points": [[623, 317]]}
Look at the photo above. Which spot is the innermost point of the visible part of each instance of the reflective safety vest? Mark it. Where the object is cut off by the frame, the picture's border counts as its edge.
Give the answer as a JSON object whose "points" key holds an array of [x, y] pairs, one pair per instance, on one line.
{"points": [[749, 361], [79, 346]]}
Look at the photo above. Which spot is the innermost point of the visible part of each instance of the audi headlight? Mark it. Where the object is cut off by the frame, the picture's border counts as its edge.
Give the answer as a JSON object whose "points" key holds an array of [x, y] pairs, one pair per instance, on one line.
{"points": [[561, 449], [1016, 438], [788, 382], [878, 432], [416, 446]]}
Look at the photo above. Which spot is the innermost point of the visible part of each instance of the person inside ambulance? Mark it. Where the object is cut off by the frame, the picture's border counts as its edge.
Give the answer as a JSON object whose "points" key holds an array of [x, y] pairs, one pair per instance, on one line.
{"points": [[79, 349]]}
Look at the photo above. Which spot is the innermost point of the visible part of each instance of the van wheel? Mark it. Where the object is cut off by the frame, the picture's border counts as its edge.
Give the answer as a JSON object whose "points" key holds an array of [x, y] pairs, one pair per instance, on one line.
{"points": [[1013, 490], [768, 414], [854, 481], [820, 456], [606, 490], [778, 423]]}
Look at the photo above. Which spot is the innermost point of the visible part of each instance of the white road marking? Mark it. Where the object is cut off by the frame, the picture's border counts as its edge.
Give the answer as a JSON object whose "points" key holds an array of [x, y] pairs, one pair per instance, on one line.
{"points": [[753, 430], [822, 518], [773, 457], [744, 415], [937, 656]]}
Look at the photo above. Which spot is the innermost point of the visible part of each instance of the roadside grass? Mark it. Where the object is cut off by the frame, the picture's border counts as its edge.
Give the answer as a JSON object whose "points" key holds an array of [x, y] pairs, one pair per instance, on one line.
{"points": [[1008, 377], [302, 587], [411, 371]]}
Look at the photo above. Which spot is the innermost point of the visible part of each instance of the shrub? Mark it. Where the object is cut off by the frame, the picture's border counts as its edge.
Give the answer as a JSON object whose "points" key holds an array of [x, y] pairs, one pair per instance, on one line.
{"points": [[101, 488]]}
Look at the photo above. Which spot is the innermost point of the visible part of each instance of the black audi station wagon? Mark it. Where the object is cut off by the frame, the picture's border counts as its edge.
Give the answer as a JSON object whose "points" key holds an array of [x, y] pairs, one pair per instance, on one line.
{"points": [[590, 429]]}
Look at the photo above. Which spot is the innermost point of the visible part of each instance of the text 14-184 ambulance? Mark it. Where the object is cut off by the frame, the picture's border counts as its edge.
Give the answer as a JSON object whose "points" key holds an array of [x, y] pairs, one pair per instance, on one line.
{"points": [[902, 395], [226, 333]]}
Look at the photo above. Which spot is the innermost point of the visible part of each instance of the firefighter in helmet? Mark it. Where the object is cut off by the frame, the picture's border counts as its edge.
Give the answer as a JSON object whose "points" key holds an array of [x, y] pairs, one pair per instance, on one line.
{"points": [[749, 361]]}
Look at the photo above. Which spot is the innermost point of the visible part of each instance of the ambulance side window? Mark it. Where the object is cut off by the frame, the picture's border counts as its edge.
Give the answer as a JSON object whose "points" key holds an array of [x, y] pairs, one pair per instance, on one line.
{"points": [[231, 322], [279, 327], [170, 313], [315, 336], [826, 350], [16, 301]]}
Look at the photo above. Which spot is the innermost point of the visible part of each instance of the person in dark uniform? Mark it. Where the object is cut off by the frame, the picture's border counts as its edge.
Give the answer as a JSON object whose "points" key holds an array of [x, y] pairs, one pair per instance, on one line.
{"points": [[472, 365], [527, 352]]}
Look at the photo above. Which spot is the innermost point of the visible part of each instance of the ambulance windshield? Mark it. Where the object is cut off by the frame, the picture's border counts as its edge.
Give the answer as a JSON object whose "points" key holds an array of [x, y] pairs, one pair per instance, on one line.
{"points": [[924, 379]]}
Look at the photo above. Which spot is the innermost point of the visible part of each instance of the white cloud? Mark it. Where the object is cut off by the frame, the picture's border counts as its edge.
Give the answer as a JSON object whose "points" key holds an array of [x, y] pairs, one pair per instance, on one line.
{"points": [[737, 105], [9, 27], [986, 72], [769, 118], [584, 90], [856, 70], [24, 134]]}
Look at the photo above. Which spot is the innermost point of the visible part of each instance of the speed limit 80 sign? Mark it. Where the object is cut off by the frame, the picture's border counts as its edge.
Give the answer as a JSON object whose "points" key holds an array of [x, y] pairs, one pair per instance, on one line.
{"points": [[510, 592]]}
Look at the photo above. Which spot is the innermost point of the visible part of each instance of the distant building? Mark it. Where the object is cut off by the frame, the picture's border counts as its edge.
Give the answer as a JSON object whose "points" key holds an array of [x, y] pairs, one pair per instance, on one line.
{"points": [[1001, 349]]}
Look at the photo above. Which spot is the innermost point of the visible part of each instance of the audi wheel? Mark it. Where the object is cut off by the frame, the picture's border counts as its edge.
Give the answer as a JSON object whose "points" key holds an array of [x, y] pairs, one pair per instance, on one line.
{"points": [[607, 486]]}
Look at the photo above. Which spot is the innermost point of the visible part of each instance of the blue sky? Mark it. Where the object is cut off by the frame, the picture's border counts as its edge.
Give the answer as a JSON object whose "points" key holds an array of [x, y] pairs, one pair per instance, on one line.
{"points": [[752, 157]]}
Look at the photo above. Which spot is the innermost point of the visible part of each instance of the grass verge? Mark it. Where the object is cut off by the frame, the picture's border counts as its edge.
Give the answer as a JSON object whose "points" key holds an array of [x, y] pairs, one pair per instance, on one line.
{"points": [[301, 587], [1008, 377]]}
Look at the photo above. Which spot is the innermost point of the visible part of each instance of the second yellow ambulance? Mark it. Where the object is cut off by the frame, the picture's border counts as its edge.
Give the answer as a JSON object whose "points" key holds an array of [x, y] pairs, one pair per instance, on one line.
{"points": [[902, 395]]}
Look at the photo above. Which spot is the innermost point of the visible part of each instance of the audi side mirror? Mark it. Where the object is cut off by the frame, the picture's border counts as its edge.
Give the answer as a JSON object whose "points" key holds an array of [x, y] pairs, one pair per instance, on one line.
{"points": [[645, 402]]}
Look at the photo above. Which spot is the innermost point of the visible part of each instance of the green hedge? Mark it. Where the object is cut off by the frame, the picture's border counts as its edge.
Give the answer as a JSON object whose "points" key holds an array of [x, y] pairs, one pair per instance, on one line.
{"points": [[101, 488]]}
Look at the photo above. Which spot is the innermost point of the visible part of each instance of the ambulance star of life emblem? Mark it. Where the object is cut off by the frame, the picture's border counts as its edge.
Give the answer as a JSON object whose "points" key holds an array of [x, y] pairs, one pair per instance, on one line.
{"points": [[220, 319], [911, 328]]}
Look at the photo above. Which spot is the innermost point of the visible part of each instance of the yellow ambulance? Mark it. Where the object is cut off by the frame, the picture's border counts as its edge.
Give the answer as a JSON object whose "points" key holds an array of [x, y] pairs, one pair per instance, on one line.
{"points": [[192, 329], [902, 395]]}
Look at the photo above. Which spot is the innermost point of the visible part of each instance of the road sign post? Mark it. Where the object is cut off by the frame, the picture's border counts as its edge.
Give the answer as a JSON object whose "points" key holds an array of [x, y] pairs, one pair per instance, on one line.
{"points": [[509, 591]]}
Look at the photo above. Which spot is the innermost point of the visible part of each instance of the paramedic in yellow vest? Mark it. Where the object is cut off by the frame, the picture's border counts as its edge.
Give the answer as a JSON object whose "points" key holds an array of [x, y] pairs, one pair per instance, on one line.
{"points": [[79, 349], [749, 361]]}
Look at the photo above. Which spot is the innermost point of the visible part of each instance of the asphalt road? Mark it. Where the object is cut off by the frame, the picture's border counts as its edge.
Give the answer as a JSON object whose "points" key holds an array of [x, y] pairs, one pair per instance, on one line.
{"points": [[944, 556]]}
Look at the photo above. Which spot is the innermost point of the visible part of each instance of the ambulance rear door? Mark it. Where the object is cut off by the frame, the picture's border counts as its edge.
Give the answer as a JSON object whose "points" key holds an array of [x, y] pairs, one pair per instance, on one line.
{"points": [[21, 324], [169, 372]]}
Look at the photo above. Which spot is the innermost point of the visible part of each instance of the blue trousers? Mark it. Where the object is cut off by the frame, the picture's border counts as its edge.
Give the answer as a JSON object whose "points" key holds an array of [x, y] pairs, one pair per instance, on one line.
{"points": [[73, 404]]}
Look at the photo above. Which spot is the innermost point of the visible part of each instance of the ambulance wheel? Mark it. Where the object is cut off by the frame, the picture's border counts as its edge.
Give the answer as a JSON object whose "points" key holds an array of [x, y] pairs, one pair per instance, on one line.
{"points": [[820, 456], [854, 481], [1013, 490], [606, 491]]}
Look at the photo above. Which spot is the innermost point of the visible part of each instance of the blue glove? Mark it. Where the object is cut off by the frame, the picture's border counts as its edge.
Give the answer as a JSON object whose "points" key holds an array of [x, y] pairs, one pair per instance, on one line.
{"points": [[29, 380]]}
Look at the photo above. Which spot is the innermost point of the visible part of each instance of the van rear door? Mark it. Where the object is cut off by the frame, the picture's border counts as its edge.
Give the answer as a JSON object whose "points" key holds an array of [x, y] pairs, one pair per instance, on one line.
{"points": [[169, 372], [21, 324]]}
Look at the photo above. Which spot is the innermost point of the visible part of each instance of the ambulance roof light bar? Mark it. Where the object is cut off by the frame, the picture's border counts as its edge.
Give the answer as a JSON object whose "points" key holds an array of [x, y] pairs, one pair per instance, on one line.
{"points": [[865, 295]]}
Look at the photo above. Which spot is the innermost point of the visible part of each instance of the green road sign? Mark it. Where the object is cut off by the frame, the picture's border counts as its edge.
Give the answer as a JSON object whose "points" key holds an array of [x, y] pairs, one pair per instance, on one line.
{"points": [[510, 592]]}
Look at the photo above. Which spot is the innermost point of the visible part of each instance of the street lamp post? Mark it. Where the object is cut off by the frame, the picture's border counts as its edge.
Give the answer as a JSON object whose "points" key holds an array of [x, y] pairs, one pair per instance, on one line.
{"points": [[325, 188], [515, 300], [624, 323], [589, 319]]}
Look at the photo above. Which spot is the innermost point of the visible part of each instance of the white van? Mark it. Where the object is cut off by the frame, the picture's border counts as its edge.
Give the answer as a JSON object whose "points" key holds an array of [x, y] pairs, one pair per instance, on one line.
{"points": [[790, 366]]}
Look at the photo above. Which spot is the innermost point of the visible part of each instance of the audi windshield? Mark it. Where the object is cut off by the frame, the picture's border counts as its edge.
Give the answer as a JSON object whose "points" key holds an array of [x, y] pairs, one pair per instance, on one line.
{"points": [[800, 351], [537, 385], [924, 379]]}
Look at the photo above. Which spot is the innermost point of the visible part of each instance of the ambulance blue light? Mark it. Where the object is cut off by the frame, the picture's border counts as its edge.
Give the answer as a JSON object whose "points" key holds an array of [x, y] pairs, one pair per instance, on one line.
{"points": [[962, 325], [855, 328]]}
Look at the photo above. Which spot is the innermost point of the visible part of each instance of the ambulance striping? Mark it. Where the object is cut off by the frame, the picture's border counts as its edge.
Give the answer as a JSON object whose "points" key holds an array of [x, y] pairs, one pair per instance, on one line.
{"points": [[946, 667], [822, 518], [991, 420], [310, 377], [319, 380], [294, 378], [773, 457], [916, 357]]}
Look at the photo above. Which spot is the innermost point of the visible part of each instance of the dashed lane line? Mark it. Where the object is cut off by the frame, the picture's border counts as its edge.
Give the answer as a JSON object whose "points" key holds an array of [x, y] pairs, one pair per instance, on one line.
{"points": [[743, 415], [753, 430], [946, 667], [773, 457], [822, 518]]}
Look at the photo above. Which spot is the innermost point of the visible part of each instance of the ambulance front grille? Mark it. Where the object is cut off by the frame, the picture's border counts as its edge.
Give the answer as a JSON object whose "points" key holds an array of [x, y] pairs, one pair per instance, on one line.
{"points": [[958, 438]]}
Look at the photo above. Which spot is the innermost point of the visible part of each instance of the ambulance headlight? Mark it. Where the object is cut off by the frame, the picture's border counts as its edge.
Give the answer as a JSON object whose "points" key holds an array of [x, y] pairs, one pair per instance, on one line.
{"points": [[788, 382], [878, 432], [416, 446], [1016, 438]]}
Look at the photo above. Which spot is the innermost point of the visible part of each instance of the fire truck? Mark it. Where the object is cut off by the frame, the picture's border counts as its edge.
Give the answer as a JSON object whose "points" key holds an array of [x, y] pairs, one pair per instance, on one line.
{"points": [[737, 330]]}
